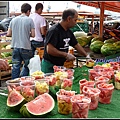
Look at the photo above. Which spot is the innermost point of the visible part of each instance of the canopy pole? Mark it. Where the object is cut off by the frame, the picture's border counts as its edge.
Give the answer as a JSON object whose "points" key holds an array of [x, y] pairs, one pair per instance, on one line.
{"points": [[101, 19]]}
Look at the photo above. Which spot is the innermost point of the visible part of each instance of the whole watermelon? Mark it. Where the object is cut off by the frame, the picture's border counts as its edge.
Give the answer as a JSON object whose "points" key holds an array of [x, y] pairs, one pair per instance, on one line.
{"points": [[110, 40], [89, 39], [108, 49], [96, 39], [117, 45], [96, 46], [82, 41]]}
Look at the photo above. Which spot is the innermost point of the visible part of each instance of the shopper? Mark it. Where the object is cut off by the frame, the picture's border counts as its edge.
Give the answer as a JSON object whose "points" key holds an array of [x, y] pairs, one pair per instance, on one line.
{"points": [[40, 27], [21, 28], [57, 41], [4, 64]]}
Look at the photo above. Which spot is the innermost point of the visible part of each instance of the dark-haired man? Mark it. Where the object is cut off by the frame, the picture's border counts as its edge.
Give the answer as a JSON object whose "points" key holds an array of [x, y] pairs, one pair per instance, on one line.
{"points": [[40, 27], [21, 28], [58, 39]]}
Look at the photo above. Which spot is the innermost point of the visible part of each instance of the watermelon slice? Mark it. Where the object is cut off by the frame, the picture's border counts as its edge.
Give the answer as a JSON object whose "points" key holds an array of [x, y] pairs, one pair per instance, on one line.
{"points": [[15, 100], [80, 106], [41, 105], [106, 92], [93, 93], [64, 102]]}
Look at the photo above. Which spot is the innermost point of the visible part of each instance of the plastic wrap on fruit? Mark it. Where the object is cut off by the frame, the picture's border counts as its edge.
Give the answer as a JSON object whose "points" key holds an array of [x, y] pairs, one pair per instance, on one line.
{"points": [[67, 84], [52, 80], [64, 107], [28, 94], [41, 87], [64, 102]]}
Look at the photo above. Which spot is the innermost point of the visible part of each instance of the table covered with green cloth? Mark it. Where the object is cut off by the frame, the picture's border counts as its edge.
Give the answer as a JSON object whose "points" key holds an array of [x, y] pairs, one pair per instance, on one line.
{"points": [[111, 110]]}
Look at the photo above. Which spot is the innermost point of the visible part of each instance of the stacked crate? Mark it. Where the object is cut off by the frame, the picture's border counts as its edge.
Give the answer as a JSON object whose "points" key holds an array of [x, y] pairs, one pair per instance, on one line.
{"points": [[83, 25], [5, 75]]}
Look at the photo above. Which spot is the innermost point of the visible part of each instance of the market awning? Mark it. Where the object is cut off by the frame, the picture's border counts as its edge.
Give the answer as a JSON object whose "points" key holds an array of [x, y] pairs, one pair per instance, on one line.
{"points": [[108, 5]]}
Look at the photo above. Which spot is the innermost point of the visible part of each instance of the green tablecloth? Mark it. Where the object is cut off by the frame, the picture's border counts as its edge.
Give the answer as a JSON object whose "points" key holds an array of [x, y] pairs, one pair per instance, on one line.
{"points": [[111, 110]]}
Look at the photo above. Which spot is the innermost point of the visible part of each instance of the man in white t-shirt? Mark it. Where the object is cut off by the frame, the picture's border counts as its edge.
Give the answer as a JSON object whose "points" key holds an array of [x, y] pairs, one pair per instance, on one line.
{"points": [[40, 27]]}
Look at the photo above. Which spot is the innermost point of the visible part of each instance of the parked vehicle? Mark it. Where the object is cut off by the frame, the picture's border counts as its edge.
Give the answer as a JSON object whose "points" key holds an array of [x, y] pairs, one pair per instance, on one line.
{"points": [[5, 23]]}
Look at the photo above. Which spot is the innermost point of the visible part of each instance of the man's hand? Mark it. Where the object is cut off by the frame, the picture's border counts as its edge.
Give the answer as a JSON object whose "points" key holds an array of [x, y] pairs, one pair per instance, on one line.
{"points": [[70, 57]]}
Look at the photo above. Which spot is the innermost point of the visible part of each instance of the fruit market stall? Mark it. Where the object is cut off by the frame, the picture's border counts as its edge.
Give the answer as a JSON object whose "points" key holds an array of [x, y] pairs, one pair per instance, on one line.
{"points": [[5, 53], [109, 108], [112, 6]]}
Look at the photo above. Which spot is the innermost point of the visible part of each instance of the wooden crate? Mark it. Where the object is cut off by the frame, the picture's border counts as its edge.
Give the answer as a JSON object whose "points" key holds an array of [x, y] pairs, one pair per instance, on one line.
{"points": [[5, 75]]}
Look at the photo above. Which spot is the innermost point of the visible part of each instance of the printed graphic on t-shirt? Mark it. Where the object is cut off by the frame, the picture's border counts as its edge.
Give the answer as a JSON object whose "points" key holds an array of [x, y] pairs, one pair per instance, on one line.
{"points": [[66, 42], [66, 46]]}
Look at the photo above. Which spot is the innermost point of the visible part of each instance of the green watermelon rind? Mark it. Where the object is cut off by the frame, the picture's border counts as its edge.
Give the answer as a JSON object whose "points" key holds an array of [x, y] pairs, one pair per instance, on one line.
{"points": [[108, 49], [18, 105], [96, 46], [117, 45], [26, 113], [109, 41]]}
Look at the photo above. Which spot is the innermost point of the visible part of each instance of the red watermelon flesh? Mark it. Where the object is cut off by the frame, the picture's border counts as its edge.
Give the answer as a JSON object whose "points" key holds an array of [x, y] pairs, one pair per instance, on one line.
{"points": [[41, 105]]}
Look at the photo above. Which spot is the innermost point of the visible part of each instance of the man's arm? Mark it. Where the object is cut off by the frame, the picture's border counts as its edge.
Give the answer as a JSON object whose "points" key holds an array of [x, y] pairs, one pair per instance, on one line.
{"points": [[43, 30], [55, 52], [80, 49], [32, 34], [9, 32]]}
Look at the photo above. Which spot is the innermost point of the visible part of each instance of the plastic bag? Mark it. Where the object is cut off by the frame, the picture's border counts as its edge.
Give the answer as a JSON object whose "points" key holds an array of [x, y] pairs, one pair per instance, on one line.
{"points": [[34, 64]]}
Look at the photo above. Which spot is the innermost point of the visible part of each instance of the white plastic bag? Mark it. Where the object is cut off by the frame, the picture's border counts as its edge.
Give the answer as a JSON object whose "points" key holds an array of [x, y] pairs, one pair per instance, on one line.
{"points": [[34, 64]]}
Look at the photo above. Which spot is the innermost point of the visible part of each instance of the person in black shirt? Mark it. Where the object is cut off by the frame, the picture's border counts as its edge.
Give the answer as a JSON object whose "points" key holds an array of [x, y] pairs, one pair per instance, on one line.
{"points": [[57, 41]]}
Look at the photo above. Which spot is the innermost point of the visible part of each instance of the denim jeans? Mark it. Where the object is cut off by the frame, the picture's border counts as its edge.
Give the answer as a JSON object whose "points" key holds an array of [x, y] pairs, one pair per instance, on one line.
{"points": [[19, 55], [35, 44]]}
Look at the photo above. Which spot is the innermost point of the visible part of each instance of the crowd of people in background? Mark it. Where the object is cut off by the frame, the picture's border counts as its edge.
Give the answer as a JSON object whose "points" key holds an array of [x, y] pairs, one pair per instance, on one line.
{"points": [[29, 31]]}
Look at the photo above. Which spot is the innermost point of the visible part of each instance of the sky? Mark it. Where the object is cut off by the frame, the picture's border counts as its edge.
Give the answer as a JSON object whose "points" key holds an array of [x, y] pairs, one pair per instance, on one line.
{"points": [[55, 6]]}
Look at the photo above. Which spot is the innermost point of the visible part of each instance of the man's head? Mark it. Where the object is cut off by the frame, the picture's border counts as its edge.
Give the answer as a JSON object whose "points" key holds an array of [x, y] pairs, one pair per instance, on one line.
{"points": [[39, 8], [26, 8], [70, 16]]}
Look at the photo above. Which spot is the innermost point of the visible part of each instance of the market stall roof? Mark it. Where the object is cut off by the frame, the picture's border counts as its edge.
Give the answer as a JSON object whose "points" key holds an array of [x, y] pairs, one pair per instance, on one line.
{"points": [[108, 5], [103, 5]]}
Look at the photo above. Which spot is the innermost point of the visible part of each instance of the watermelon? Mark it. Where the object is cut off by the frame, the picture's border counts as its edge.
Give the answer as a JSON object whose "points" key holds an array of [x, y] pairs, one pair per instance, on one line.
{"points": [[117, 45], [15, 100], [38, 107], [110, 40], [108, 49], [96, 39], [89, 38], [96, 46], [83, 41]]}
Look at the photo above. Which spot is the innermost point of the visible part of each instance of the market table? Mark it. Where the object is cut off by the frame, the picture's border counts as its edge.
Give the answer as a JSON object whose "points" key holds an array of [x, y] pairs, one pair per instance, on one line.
{"points": [[111, 110]]}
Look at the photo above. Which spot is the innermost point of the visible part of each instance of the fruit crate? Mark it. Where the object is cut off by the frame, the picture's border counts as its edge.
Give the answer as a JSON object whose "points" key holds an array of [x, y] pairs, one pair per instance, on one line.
{"points": [[83, 25], [5, 75], [5, 50]]}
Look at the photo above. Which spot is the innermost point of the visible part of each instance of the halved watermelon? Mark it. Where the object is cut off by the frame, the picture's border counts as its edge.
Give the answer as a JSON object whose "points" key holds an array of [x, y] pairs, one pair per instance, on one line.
{"points": [[15, 100], [41, 105]]}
